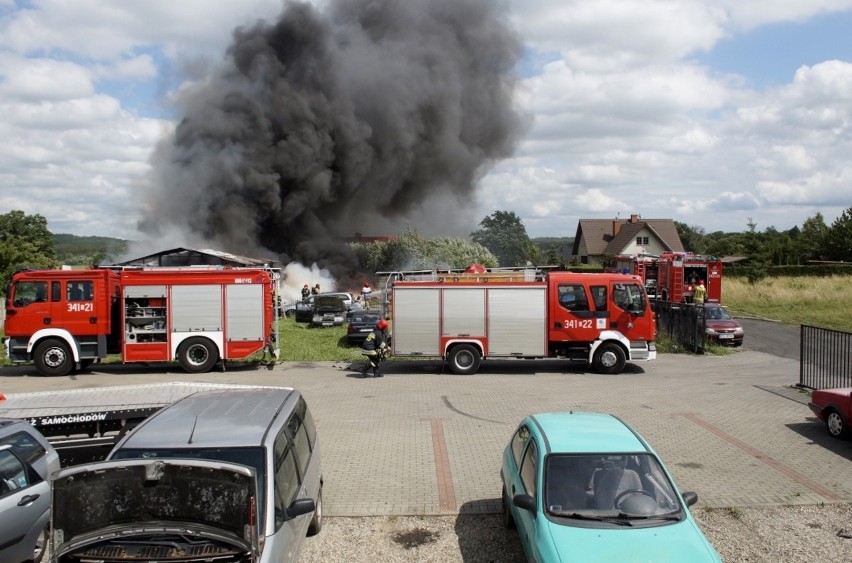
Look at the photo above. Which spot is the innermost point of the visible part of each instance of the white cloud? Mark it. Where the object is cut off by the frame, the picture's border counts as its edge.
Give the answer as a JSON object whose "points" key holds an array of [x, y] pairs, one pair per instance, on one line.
{"points": [[618, 34], [43, 79], [104, 30], [135, 68]]}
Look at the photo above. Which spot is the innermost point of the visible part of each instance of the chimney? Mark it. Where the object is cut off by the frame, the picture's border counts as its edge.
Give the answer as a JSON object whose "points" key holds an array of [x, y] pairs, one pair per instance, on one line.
{"points": [[616, 226], [634, 218]]}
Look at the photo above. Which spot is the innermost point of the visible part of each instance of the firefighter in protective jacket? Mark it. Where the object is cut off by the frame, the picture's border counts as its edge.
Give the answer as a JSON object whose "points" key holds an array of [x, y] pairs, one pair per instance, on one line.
{"points": [[375, 347]]}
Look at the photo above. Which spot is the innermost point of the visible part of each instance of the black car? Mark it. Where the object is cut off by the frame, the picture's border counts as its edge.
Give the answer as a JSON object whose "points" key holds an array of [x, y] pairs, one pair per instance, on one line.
{"points": [[361, 324], [328, 310], [305, 309]]}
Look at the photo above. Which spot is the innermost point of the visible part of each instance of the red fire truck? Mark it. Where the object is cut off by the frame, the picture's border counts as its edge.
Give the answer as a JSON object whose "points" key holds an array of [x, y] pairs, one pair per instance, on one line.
{"points": [[642, 265], [66, 319], [604, 320], [678, 272]]}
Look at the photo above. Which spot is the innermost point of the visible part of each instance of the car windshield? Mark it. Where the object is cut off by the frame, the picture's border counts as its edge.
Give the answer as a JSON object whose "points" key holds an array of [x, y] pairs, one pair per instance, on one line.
{"points": [[251, 457], [597, 487], [717, 313]]}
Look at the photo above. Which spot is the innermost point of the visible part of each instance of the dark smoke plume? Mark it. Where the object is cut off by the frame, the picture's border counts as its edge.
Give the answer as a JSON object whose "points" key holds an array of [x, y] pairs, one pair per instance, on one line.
{"points": [[324, 124]]}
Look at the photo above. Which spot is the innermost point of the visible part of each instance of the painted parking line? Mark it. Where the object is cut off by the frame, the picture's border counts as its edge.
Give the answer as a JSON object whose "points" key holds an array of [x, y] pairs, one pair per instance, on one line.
{"points": [[757, 454], [446, 492]]}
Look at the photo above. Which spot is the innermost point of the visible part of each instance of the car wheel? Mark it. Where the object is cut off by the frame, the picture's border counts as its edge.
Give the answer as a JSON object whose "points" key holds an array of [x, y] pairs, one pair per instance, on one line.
{"points": [[609, 358], [53, 358], [316, 522], [289, 313], [40, 547], [834, 424], [464, 359], [197, 355], [506, 511]]}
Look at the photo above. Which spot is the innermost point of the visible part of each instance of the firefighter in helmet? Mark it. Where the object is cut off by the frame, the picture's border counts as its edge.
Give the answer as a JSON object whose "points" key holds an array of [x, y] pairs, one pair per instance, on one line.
{"points": [[375, 347], [306, 292]]}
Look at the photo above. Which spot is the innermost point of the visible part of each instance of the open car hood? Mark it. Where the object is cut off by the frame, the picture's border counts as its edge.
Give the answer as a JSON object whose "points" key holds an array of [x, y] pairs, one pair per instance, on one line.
{"points": [[329, 304], [101, 501]]}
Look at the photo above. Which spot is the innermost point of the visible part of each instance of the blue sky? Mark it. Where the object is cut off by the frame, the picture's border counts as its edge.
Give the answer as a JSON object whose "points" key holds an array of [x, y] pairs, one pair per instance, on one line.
{"points": [[770, 55], [709, 112]]}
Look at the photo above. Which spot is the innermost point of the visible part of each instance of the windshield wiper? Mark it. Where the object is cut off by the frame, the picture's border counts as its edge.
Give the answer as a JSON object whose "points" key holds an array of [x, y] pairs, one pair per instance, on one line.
{"points": [[577, 516], [648, 517]]}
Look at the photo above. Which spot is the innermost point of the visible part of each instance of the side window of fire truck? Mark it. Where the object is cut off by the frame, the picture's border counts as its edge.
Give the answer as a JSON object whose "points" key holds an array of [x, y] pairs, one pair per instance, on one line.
{"points": [[620, 296], [573, 297], [599, 297], [30, 292], [628, 296], [80, 291]]}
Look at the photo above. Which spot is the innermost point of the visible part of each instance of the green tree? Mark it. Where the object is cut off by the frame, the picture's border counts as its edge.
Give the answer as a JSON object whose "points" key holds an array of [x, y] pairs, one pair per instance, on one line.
{"points": [[552, 258], [692, 237], [458, 253], [811, 242], [24, 241], [839, 240], [724, 244], [405, 252], [504, 234], [370, 255], [533, 253], [410, 251]]}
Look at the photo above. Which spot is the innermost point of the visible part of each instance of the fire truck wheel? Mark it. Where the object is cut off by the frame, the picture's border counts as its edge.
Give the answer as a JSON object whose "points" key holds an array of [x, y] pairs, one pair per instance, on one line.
{"points": [[52, 358], [197, 355], [609, 358], [464, 359]]}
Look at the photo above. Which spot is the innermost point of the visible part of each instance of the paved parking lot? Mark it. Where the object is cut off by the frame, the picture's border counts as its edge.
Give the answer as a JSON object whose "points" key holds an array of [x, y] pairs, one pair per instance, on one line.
{"points": [[419, 441]]}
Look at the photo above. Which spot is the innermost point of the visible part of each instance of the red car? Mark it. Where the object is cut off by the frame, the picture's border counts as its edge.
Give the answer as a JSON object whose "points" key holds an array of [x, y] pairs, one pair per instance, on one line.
{"points": [[721, 327], [834, 407]]}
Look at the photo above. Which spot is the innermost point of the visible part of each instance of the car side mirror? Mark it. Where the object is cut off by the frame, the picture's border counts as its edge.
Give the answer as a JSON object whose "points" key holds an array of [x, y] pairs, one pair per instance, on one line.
{"points": [[301, 506], [689, 498], [524, 501]]}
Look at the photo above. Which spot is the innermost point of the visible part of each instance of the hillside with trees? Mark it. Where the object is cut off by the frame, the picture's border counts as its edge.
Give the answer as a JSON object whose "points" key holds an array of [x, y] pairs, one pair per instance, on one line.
{"points": [[85, 251]]}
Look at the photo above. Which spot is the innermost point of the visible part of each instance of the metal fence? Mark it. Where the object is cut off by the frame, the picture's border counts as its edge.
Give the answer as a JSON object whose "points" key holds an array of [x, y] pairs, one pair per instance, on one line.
{"points": [[682, 322], [826, 358]]}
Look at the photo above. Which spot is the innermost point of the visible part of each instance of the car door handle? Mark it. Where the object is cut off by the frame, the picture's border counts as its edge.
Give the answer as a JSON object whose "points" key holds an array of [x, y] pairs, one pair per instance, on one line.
{"points": [[29, 499], [47, 320]]}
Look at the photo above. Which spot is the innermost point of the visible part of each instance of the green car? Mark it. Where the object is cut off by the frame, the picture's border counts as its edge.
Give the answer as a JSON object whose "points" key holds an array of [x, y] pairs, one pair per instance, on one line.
{"points": [[586, 487]]}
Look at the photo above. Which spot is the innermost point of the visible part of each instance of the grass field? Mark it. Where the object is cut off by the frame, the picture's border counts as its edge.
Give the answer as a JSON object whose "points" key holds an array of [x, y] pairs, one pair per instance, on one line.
{"points": [[301, 342], [823, 302]]}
